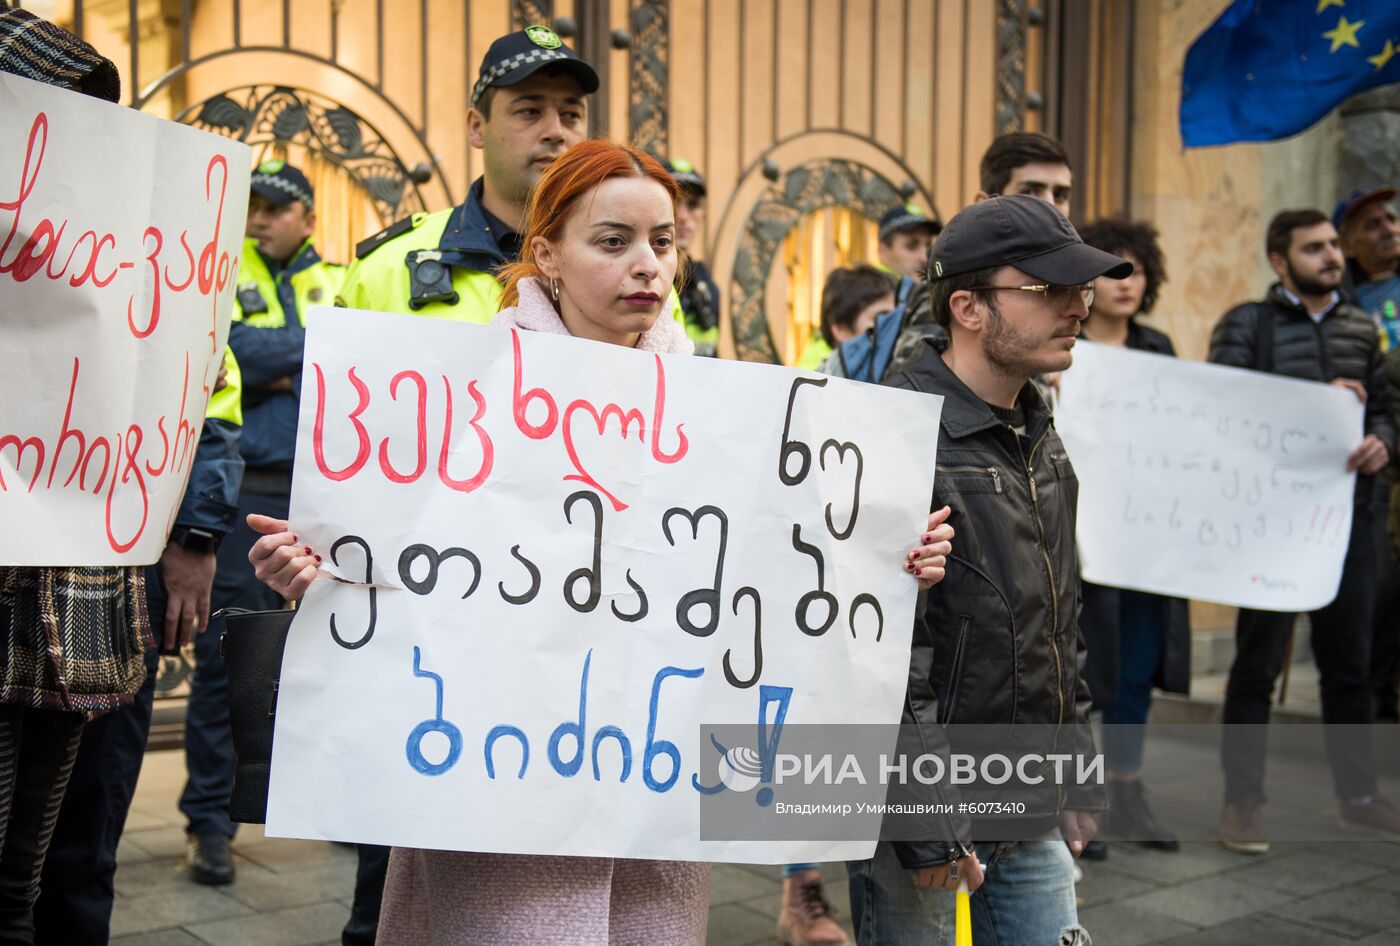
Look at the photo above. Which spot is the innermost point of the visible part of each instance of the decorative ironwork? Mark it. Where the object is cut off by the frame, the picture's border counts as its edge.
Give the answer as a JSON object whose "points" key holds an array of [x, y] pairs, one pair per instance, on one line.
{"points": [[525, 13], [807, 187], [265, 115], [1011, 65], [651, 58]]}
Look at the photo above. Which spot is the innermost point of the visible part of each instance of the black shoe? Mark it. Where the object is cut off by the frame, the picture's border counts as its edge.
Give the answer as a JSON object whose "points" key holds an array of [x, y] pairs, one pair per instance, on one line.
{"points": [[1094, 851], [209, 860], [1132, 819]]}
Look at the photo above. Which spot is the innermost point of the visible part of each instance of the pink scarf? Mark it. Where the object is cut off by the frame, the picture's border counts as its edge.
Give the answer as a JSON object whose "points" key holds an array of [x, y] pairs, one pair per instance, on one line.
{"points": [[536, 313]]}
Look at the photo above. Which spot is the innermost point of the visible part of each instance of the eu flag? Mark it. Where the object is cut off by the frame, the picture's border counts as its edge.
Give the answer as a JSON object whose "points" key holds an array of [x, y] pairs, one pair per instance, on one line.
{"points": [[1267, 69]]}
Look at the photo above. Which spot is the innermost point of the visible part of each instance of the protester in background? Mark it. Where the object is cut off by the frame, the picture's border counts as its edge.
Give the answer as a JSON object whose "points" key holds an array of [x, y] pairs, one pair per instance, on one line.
{"points": [[1304, 329], [1027, 162], [1369, 229], [852, 298], [997, 640], [1135, 640], [698, 293]]}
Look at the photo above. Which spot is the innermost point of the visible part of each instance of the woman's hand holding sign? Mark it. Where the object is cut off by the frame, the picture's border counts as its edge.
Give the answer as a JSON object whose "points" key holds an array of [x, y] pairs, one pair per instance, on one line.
{"points": [[929, 561], [280, 561]]}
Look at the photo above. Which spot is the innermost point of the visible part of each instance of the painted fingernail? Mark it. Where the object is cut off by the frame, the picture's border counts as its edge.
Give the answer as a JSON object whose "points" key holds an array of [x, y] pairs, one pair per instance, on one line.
{"points": [[308, 550], [928, 539], [294, 538], [318, 559]]}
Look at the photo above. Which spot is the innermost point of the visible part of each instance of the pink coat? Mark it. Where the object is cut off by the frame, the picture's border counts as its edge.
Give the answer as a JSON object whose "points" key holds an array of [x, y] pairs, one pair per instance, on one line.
{"points": [[449, 898]]}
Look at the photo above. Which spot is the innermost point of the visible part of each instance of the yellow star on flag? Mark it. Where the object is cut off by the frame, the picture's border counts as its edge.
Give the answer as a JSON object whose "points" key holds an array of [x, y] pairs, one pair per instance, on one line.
{"points": [[1381, 59], [1324, 4], [1344, 34]]}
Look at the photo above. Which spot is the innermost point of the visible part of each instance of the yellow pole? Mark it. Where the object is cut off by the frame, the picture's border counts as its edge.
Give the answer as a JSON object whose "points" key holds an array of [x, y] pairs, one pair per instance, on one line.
{"points": [[963, 926]]}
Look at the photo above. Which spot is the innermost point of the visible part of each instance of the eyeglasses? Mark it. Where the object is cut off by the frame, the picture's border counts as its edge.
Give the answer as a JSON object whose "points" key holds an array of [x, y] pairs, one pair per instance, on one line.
{"points": [[1054, 295]]}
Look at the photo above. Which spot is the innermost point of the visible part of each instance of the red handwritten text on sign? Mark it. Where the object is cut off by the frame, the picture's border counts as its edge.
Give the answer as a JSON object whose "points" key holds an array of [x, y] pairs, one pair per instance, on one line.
{"points": [[569, 423], [67, 276]]}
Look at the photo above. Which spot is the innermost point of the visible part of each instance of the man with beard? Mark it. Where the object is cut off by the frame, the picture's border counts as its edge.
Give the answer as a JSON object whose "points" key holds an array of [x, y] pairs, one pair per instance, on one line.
{"points": [[1304, 329], [528, 105], [997, 641]]}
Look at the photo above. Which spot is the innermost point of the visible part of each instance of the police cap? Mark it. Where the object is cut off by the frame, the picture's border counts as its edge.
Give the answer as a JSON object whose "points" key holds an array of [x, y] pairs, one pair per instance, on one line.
{"points": [[516, 56], [278, 183]]}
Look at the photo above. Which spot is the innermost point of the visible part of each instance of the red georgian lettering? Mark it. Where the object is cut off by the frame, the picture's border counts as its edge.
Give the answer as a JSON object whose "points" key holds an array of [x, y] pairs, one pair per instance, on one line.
{"points": [[659, 418], [31, 443], [421, 427], [318, 431], [488, 449], [28, 177], [129, 445], [520, 405]]}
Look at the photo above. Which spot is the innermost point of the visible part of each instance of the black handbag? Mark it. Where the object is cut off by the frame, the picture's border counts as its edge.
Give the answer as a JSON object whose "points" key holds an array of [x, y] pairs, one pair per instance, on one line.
{"points": [[252, 645]]}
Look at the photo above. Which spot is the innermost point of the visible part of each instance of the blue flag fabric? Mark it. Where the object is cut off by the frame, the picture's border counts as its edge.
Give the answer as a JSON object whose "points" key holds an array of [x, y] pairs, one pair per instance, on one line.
{"points": [[1267, 69]]}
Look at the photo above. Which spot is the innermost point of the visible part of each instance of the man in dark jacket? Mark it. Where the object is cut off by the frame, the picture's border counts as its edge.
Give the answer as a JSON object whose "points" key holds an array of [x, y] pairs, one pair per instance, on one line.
{"points": [[997, 640], [1304, 329]]}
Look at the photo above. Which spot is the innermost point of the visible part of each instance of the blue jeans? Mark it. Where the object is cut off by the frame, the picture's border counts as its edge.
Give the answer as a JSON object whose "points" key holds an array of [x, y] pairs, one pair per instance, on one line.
{"points": [[1027, 899], [1140, 633]]}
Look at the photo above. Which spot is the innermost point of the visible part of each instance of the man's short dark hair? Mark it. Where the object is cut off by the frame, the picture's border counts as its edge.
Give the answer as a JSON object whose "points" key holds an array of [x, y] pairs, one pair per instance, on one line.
{"points": [[1280, 234], [1017, 149], [1138, 237], [847, 292], [941, 291]]}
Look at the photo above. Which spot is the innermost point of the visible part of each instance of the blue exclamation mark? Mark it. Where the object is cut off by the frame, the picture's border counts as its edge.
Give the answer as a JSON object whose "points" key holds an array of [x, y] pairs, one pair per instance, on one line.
{"points": [[768, 739]]}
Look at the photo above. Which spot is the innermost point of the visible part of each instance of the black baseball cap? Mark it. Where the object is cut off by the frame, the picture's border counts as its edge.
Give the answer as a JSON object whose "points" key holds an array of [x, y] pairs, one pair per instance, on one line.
{"points": [[278, 183], [1025, 232], [516, 56], [906, 217], [1355, 200]]}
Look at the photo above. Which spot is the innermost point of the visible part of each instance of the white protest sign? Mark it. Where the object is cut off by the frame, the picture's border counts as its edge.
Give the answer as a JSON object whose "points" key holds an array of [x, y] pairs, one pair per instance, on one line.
{"points": [[119, 241], [578, 554], [1201, 481]]}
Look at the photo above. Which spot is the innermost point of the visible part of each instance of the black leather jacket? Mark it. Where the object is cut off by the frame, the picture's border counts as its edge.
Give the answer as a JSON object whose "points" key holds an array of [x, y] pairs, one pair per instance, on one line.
{"points": [[997, 641], [1345, 344]]}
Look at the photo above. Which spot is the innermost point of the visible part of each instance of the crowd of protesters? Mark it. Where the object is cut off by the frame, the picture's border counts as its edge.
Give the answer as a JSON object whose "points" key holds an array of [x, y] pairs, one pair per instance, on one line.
{"points": [[984, 311]]}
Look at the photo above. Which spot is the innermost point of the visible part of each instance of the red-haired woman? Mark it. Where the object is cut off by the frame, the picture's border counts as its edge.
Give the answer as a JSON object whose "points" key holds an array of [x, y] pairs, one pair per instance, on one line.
{"points": [[597, 261]]}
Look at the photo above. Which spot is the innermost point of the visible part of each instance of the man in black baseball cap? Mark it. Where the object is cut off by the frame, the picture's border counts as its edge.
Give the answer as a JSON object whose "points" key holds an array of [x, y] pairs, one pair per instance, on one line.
{"points": [[996, 640]]}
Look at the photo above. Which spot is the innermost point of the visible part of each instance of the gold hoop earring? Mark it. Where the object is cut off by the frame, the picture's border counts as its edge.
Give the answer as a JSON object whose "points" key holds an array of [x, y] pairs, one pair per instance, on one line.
{"points": [[554, 289]]}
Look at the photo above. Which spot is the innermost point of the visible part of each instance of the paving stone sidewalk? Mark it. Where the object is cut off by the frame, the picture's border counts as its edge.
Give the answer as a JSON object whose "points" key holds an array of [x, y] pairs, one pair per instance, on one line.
{"points": [[291, 893]]}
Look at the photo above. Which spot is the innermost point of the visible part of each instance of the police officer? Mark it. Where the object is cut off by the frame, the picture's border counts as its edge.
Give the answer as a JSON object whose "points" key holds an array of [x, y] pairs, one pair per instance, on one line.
{"points": [[699, 296], [528, 105], [280, 276]]}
